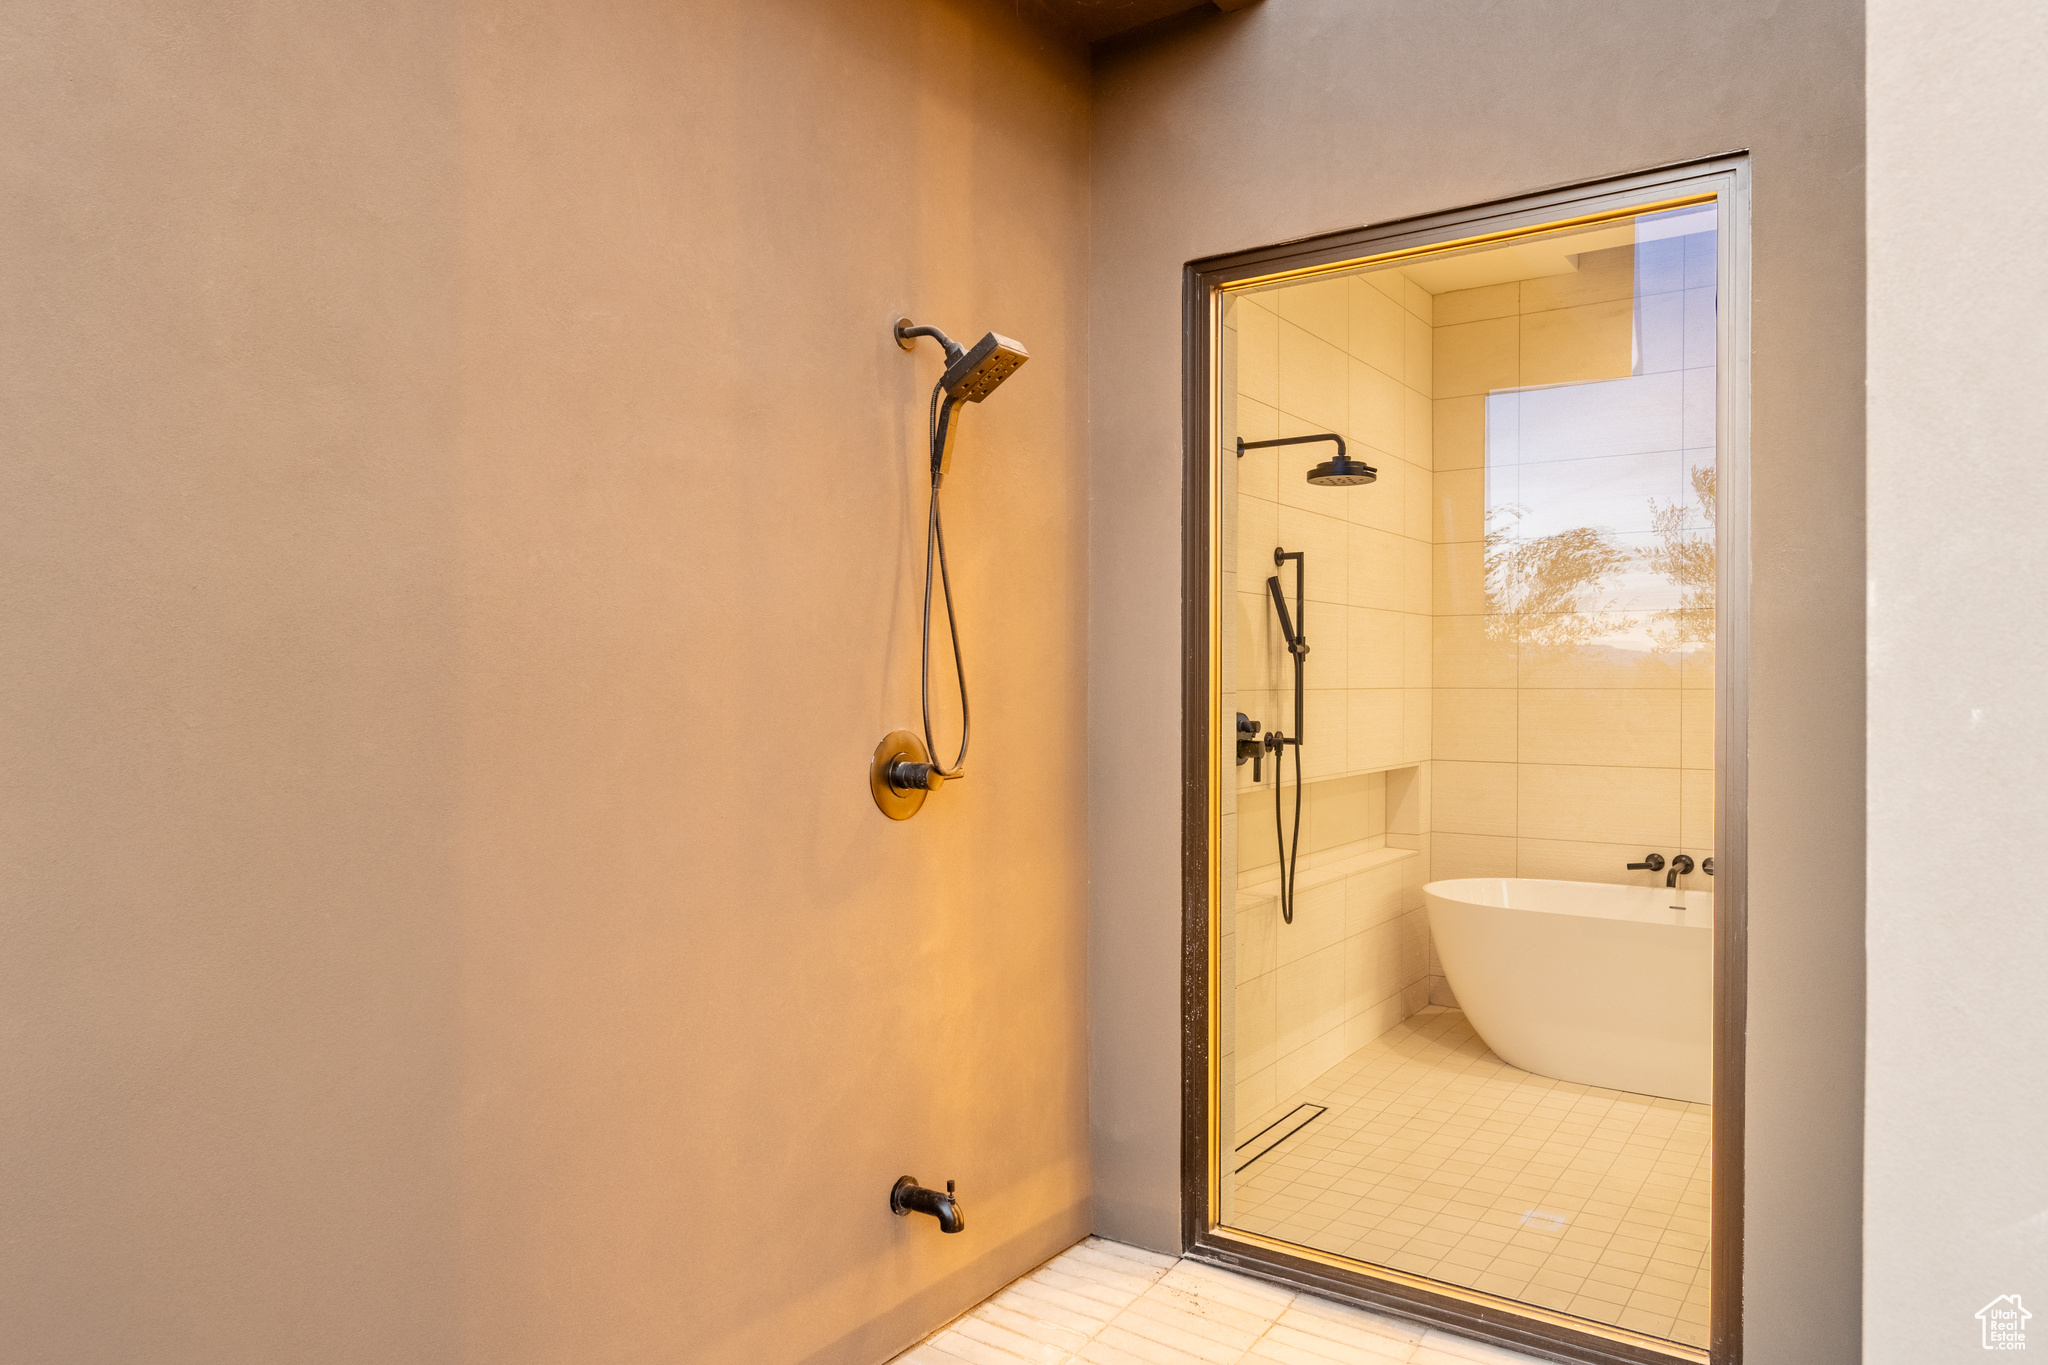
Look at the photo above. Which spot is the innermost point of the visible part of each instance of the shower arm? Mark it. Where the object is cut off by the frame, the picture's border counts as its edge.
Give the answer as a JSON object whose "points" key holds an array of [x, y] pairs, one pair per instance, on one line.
{"points": [[906, 337], [1244, 445]]}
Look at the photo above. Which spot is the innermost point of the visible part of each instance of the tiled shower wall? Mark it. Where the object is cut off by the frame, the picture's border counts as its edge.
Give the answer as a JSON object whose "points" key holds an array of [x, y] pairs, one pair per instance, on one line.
{"points": [[1353, 357], [1568, 744], [1443, 716]]}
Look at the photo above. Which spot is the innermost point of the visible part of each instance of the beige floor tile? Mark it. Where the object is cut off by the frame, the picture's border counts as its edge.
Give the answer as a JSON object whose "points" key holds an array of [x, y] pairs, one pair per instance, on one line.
{"points": [[1692, 1334], [1642, 1320], [1437, 1158]]}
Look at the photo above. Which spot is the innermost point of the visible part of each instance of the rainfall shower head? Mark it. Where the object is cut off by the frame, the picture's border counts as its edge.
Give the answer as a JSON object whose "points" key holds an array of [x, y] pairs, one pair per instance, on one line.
{"points": [[1340, 471]]}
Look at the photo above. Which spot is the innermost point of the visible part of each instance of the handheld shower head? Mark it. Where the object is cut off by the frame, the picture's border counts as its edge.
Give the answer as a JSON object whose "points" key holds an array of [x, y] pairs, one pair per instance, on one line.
{"points": [[971, 374], [975, 375]]}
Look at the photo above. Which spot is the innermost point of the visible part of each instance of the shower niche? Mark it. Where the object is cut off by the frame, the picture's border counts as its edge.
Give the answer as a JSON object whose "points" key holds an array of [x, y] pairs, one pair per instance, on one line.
{"points": [[1464, 620]]}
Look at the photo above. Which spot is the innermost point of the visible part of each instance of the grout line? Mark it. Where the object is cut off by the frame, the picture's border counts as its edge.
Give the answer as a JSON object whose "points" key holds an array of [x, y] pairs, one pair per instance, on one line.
{"points": [[1455, 1116]]}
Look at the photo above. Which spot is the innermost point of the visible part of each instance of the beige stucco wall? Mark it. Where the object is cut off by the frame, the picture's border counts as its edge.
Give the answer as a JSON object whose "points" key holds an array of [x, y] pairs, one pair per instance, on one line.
{"points": [[1956, 1180], [1300, 116], [462, 509]]}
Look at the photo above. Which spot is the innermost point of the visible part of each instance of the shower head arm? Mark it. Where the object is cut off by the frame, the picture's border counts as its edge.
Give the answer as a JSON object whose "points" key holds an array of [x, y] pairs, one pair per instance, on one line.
{"points": [[907, 334], [1244, 445]]}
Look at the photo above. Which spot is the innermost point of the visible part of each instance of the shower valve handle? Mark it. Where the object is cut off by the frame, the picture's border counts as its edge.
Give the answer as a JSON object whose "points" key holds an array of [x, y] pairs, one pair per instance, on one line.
{"points": [[1652, 863], [1248, 744], [907, 777]]}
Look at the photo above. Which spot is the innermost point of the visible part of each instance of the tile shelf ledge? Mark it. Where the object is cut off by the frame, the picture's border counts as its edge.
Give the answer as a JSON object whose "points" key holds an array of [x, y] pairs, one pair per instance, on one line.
{"points": [[1323, 867], [1343, 775]]}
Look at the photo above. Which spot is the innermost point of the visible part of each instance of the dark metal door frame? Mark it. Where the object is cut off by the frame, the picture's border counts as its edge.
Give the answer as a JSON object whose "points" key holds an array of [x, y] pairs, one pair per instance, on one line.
{"points": [[1725, 179]]}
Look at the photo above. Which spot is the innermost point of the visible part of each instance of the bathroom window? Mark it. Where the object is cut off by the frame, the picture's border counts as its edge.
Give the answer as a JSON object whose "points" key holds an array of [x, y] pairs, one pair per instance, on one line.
{"points": [[1466, 489]]}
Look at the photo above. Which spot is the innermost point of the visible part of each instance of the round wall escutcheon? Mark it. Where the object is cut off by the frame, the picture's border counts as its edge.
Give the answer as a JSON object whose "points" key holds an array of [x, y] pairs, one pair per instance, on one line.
{"points": [[895, 802]]}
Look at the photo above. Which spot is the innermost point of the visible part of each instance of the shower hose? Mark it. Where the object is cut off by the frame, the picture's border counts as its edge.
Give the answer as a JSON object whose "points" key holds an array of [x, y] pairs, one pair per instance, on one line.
{"points": [[1290, 853], [935, 539]]}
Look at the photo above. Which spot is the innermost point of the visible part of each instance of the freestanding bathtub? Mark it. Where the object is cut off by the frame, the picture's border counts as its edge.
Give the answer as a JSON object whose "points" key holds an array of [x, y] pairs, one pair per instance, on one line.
{"points": [[1580, 981]]}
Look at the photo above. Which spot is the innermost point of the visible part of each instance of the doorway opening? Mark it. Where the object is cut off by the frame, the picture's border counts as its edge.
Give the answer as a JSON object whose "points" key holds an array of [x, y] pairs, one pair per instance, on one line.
{"points": [[1466, 579]]}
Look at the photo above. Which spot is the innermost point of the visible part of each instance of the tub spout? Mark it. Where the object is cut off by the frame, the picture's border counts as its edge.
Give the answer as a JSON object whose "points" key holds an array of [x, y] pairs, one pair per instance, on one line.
{"points": [[1680, 865], [908, 1196]]}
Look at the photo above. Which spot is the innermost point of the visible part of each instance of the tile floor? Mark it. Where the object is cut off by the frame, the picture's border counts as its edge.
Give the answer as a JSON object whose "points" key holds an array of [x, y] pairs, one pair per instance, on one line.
{"points": [[1104, 1304], [1438, 1158]]}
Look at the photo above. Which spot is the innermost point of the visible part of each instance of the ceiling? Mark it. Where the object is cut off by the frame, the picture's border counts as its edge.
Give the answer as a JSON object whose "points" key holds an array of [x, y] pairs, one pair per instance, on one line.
{"points": [[1090, 21]]}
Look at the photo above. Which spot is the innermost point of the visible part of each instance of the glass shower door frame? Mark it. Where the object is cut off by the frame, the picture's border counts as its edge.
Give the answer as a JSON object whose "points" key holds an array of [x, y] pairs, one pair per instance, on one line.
{"points": [[1724, 181]]}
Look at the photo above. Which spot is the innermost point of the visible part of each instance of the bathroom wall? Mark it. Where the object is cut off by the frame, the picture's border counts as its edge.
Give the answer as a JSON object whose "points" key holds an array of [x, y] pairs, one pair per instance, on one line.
{"points": [[1353, 963], [1350, 356], [1569, 744], [1957, 1132], [1293, 118], [462, 523], [1552, 744]]}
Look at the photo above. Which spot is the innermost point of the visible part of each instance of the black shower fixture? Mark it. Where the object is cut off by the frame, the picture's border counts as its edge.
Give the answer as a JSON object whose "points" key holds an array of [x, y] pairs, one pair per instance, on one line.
{"points": [[1294, 630], [972, 374], [1340, 471], [906, 768]]}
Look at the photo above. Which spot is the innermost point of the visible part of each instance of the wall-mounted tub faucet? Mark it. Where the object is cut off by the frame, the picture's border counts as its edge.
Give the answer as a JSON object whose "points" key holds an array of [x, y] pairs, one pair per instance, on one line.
{"points": [[1680, 866], [909, 1197]]}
